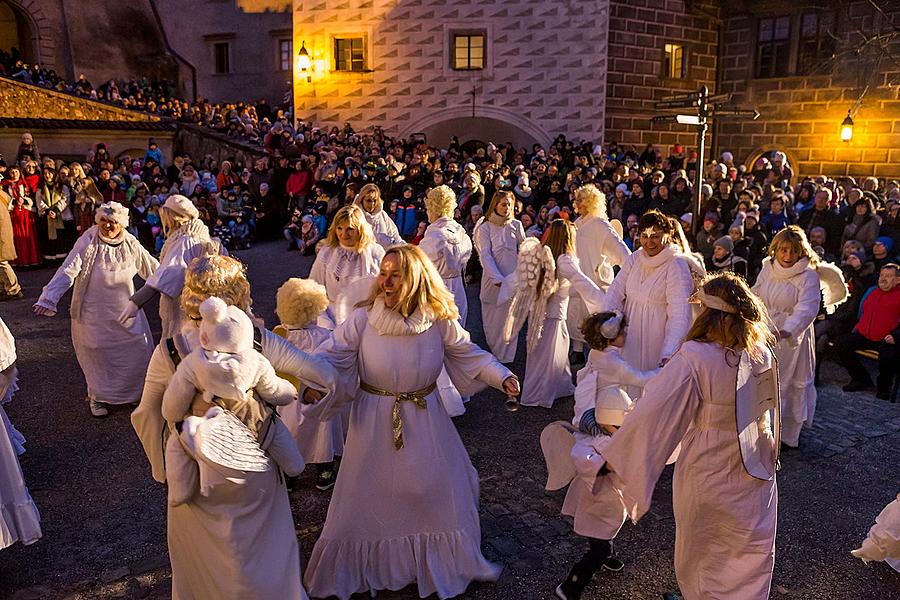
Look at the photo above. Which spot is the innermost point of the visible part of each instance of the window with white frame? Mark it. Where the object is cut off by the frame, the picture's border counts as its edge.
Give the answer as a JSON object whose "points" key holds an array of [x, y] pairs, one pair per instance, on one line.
{"points": [[285, 55]]}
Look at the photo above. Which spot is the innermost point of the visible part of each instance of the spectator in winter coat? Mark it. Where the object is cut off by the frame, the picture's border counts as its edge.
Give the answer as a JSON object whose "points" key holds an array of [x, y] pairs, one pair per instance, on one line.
{"points": [[776, 220], [821, 214]]}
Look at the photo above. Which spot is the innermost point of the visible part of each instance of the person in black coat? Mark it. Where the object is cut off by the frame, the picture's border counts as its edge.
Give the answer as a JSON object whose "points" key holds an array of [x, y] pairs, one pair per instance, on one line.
{"points": [[821, 214]]}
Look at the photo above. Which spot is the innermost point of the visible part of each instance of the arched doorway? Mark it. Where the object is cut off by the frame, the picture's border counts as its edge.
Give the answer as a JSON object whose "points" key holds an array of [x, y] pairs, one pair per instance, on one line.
{"points": [[489, 124], [17, 36]]}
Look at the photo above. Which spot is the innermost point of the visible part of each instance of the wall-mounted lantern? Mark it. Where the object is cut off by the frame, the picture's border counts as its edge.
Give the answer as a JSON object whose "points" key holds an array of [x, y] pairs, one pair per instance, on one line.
{"points": [[304, 62], [847, 128]]}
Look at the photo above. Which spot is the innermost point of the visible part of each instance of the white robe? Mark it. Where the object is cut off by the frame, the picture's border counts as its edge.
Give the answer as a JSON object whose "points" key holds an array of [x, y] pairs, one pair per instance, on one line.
{"points": [[792, 298], [599, 248], [337, 268], [386, 232], [399, 516], [19, 517], [498, 250], [547, 372], [724, 518], [113, 358], [653, 293], [168, 279], [883, 541], [318, 441], [239, 542]]}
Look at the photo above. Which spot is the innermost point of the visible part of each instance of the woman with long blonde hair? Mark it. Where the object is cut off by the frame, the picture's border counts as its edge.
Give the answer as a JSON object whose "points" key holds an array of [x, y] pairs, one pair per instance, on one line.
{"points": [[790, 284], [350, 253], [405, 507], [721, 381], [384, 228], [497, 237]]}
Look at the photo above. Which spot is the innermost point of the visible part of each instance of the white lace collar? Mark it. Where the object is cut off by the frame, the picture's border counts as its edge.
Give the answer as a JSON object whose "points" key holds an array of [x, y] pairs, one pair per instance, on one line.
{"points": [[390, 322], [652, 262], [788, 272]]}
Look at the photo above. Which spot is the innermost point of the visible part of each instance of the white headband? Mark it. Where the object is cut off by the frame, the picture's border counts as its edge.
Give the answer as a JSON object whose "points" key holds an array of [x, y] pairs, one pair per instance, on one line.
{"points": [[112, 211], [715, 302], [611, 327]]}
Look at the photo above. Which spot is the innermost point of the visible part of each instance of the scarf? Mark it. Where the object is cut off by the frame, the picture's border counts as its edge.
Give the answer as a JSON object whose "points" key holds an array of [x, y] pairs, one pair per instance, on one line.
{"points": [[654, 262], [387, 321], [53, 198]]}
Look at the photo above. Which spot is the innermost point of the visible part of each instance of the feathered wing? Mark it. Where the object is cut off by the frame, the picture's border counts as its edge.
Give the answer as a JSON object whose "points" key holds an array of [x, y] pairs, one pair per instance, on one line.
{"points": [[529, 301], [834, 288]]}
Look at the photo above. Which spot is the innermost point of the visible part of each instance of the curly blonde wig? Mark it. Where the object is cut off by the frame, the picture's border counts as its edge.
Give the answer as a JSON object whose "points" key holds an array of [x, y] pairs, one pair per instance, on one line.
{"points": [[351, 216], [440, 202], [593, 201], [214, 275], [422, 285], [299, 301]]}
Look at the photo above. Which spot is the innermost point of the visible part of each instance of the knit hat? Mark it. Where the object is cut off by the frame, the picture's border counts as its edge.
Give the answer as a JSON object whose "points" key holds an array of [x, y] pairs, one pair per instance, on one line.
{"points": [[727, 157], [752, 214], [622, 187], [687, 218], [224, 328], [113, 211], [885, 241], [181, 205], [725, 243]]}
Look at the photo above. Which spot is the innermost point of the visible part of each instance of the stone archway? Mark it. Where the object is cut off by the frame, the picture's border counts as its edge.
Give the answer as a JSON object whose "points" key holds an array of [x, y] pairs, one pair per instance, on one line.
{"points": [[24, 25], [488, 124]]}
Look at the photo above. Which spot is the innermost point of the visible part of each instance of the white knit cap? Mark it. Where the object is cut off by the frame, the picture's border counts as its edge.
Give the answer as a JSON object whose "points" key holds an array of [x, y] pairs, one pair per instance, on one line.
{"points": [[181, 205], [113, 211]]}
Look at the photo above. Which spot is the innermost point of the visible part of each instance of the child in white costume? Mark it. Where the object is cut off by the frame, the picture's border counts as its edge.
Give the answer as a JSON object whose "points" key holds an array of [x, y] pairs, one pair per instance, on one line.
{"points": [[228, 372], [883, 541], [572, 451], [298, 303]]}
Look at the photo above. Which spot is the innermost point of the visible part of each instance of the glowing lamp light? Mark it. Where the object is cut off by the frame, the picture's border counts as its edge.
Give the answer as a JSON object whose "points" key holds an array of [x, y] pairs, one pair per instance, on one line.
{"points": [[304, 62], [847, 128]]}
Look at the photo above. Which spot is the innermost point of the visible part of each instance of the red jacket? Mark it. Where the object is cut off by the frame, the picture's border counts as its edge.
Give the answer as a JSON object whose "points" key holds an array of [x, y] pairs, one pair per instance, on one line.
{"points": [[880, 315]]}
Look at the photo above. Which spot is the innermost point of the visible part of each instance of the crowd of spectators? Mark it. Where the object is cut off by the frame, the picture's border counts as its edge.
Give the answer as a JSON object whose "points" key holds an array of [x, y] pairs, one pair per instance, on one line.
{"points": [[307, 173]]}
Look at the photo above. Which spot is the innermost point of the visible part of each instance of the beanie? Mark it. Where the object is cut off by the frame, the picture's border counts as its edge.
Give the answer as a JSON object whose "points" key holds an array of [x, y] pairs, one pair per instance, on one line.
{"points": [[725, 242], [885, 241]]}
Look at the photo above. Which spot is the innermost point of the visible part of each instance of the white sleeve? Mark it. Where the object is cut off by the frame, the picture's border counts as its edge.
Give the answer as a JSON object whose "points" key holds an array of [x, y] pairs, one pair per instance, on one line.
{"points": [[65, 275], [679, 287], [485, 254], [592, 295], [807, 305], [615, 293]]}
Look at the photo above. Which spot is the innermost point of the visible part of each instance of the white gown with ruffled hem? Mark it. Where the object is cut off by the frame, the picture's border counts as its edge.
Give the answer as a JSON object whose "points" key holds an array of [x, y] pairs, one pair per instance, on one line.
{"points": [[498, 251], [409, 515]]}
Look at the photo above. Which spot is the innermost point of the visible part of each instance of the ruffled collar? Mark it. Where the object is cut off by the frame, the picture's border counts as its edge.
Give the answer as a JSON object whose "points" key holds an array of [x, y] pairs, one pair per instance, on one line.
{"points": [[788, 272], [390, 322], [667, 254], [112, 241]]}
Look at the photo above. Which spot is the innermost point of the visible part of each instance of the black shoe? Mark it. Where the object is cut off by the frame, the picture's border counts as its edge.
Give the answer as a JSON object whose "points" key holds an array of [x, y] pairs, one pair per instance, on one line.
{"points": [[613, 564], [858, 386], [17, 296], [326, 479]]}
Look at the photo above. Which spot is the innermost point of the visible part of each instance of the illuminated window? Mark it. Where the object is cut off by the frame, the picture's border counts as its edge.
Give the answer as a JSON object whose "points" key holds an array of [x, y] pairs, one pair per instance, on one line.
{"points": [[222, 57], [468, 51], [285, 55], [673, 62], [350, 54]]}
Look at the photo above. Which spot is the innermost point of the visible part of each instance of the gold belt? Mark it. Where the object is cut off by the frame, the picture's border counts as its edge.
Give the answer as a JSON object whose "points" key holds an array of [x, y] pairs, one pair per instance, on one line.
{"points": [[417, 397]]}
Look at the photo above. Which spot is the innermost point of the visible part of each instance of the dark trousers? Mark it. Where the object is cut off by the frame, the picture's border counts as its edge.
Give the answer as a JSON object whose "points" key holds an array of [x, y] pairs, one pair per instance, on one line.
{"points": [[580, 575], [888, 357]]}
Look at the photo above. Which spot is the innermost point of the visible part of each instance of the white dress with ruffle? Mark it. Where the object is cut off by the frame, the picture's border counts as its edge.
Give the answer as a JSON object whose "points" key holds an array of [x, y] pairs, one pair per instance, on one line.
{"points": [[498, 250]]}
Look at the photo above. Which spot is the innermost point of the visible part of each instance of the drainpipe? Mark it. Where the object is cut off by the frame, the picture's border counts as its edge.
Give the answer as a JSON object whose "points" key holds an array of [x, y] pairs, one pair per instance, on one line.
{"points": [[172, 51]]}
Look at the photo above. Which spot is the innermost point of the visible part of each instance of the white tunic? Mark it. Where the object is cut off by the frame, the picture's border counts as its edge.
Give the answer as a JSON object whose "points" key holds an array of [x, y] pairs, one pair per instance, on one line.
{"points": [[883, 541], [792, 298], [449, 248], [498, 251], [724, 518], [599, 248], [19, 517], [386, 232], [653, 293], [113, 358], [337, 268], [399, 516]]}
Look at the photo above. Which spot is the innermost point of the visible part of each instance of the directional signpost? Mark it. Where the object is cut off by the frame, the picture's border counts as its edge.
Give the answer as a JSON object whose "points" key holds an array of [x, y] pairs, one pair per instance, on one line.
{"points": [[702, 107]]}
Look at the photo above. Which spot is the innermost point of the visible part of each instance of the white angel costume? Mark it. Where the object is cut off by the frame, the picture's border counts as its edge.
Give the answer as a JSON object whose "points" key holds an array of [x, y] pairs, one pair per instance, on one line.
{"points": [[599, 248], [19, 517], [792, 297], [247, 526], [497, 241], [883, 541], [112, 356], [405, 506], [337, 268], [384, 228], [653, 292], [725, 516]]}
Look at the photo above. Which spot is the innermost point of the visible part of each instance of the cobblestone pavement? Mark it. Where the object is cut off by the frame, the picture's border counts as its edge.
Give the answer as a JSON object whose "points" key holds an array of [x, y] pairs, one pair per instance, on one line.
{"points": [[104, 518]]}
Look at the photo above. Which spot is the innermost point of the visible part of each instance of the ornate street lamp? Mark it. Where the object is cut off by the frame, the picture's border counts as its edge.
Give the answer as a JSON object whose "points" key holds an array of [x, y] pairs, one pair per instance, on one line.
{"points": [[304, 62], [847, 128]]}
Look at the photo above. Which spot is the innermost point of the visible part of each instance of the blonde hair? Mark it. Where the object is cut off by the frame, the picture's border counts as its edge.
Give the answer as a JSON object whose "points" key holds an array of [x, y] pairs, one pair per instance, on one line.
{"points": [[560, 238], [440, 202], [747, 329], [367, 190], [171, 220], [679, 238], [495, 200], [795, 237], [592, 199], [214, 275], [299, 301], [422, 286], [351, 216]]}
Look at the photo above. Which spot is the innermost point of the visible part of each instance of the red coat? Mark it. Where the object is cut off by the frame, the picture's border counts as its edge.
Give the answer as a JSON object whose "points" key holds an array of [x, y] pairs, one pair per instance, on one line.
{"points": [[880, 315]]}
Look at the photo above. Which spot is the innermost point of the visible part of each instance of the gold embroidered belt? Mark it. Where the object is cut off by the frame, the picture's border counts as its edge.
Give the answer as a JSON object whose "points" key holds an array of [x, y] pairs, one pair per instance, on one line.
{"points": [[417, 397]]}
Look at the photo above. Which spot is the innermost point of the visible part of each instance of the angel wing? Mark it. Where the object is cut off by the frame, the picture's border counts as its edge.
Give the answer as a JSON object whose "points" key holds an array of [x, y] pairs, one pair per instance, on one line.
{"points": [[535, 283], [834, 288]]}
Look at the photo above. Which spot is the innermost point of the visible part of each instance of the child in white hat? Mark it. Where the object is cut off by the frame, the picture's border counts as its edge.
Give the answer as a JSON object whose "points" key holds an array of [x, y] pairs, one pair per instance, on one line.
{"points": [[571, 450]]}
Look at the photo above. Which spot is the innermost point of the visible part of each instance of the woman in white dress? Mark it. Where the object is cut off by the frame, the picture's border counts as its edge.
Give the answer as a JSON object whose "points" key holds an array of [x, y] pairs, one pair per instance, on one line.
{"points": [[653, 289], [724, 492], [350, 253], [19, 517], [187, 238], [598, 247], [405, 507], [369, 199], [238, 542], [497, 237], [789, 285], [101, 267]]}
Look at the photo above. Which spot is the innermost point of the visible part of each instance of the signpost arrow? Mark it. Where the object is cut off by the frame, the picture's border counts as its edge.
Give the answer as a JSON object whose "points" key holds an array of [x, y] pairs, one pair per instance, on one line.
{"points": [[719, 99], [677, 97], [735, 112], [670, 104], [681, 119]]}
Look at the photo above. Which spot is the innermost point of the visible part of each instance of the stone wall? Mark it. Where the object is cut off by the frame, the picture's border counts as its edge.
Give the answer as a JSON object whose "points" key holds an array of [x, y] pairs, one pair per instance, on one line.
{"points": [[638, 32], [27, 101], [801, 115], [200, 142], [545, 70], [73, 143]]}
